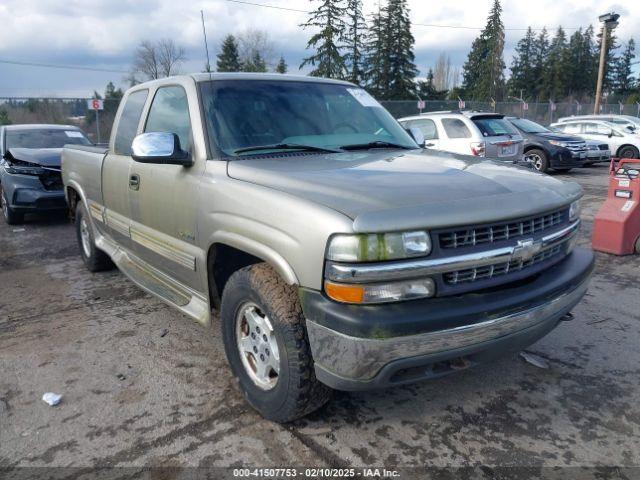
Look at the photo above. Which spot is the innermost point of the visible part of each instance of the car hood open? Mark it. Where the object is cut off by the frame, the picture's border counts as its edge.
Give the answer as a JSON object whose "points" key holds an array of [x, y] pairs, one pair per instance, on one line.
{"points": [[391, 190], [45, 157]]}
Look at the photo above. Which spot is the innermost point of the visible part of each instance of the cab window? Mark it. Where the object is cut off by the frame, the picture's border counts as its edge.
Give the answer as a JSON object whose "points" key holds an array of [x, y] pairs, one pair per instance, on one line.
{"points": [[169, 113], [455, 128], [128, 123]]}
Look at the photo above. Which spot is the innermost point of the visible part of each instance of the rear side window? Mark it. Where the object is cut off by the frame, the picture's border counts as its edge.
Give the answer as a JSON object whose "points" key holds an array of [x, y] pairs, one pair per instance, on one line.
{"points": [[455, 128], [572, 128], [169, 112], [596, 129], [426, 126], [494, 127], [128, 124]]}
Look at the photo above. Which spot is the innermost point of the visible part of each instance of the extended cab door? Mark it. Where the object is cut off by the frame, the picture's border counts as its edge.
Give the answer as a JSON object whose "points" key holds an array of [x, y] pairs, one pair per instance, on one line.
{"points": [[164, 198], [116, 165]]}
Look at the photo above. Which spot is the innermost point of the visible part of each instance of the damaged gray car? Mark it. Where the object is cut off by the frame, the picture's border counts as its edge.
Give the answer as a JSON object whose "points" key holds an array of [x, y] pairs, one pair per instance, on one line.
{"points": [[30, 179]]}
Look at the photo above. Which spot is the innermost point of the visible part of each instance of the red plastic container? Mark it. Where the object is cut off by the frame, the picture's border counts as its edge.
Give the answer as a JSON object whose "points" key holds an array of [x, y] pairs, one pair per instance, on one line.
{"points": [[616, 227]]}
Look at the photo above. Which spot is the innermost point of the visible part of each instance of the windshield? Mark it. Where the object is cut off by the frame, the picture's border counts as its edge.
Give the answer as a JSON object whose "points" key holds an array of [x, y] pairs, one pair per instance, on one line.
{"points": [[44, 138], [527, 126], [241, 114], [494, 127]]}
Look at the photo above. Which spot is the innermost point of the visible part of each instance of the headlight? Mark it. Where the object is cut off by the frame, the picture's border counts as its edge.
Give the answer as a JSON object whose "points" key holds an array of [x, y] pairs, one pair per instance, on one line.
{"points": [[574, 210], [19, 167], [380, 293], [378, 247], [559, 143]]}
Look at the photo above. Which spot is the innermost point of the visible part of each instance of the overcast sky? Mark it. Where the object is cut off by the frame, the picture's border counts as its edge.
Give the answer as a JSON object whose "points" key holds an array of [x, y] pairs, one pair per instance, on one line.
{"points": [[104, 33]]}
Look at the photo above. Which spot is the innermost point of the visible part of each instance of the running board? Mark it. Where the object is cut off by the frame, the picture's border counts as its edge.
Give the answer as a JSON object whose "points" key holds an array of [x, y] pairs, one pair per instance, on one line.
{"points": [[156, 283]]}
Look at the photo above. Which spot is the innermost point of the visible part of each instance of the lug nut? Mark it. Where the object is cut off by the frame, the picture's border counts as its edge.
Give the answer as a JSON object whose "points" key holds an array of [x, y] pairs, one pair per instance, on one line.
{"points": [[255, 349], [262, 357], [258, 329], [264, 337], [253, 335], [266, 350]]}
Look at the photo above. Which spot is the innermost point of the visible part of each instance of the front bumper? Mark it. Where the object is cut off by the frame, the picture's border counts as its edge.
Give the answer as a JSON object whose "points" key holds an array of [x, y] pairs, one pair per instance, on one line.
{"points": [[565, 158], [26, 193], [364, 347], [599, 156]]}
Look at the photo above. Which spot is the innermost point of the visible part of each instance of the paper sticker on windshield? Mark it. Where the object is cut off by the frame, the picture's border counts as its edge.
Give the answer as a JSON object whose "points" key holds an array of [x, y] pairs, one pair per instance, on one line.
{"points": [[627, 205], [363, 97], [73, 134]]}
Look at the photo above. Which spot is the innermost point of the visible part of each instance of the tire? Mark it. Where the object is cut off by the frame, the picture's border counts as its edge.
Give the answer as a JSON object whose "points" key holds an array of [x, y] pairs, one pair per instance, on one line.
{"points": [[10, 215], [251, 295], [628, 151], [637, 246], [94, 259], [538, 159]]}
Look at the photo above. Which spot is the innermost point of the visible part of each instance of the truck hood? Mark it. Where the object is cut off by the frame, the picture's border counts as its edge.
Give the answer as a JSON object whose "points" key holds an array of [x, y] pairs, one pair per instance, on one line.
{"points": [[45, 157], [391, 190]]}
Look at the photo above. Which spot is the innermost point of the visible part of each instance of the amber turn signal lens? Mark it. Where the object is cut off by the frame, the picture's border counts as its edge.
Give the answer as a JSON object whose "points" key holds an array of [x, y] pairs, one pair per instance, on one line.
{"points": [[344, 293]]}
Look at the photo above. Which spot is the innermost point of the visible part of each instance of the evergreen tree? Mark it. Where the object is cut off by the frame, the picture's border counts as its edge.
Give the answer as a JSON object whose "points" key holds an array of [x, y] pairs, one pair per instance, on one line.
{"points": [[426, 89], [355, 29], [623, 80], [402, 67], [555, 76], [588, 62], [281, 67], [523, 77], [327, 60], [376, 56], [255, 63], [540, 55], [4, 117], [483, 73], [229, 57]]}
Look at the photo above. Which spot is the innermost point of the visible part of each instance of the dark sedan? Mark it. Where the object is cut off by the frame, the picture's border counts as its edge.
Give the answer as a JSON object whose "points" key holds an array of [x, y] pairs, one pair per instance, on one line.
{"points": [[548, 150], [30, 178]]}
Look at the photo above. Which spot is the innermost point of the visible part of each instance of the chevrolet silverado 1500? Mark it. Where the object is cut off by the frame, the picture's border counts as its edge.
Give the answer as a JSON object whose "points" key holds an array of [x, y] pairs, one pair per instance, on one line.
{"points": [[338, 253]]}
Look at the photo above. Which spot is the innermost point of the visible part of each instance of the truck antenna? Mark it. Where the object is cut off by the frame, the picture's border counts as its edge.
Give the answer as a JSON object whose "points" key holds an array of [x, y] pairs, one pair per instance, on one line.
{"points": [[206, 47]]}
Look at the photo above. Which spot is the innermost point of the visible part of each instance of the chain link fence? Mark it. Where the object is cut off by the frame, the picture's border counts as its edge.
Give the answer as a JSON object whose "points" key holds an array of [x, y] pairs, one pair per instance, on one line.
{"points": [[75, 111], [542, 112]]}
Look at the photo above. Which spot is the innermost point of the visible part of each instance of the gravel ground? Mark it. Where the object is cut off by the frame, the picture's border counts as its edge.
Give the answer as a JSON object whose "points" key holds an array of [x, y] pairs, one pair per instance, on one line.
{"points": [[144, 386]]}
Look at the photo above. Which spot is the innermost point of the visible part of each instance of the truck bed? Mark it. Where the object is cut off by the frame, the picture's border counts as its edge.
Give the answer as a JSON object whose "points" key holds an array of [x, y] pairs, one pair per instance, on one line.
{"points": [[82, 169]]}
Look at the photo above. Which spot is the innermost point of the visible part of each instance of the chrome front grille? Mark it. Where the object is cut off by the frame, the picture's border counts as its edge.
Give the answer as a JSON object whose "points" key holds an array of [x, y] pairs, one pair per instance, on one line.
{"points": [[491, 271], [472, 236], [576, 147]]}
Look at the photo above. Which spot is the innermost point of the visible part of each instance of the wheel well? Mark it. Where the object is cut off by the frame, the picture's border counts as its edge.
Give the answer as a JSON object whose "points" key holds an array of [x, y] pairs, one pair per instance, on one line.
{"points": [[222, 261], [533, 147], [626, 145], [73, 198]]}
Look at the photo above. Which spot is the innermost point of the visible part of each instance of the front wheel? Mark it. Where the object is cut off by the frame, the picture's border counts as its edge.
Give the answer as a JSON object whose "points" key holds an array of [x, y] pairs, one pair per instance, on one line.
{"points": [[10, 215], [266, 344], [538, 159], [628, 151], [94, 259]]}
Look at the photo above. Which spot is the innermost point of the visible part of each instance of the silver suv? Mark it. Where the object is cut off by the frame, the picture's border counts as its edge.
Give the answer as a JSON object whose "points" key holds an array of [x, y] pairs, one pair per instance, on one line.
{"points": [[480, 134]]}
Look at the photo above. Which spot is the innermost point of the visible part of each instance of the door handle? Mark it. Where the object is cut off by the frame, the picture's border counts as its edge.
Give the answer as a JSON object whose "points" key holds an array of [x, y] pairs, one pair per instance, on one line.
{"points": [[134, 182], [429, 144]]}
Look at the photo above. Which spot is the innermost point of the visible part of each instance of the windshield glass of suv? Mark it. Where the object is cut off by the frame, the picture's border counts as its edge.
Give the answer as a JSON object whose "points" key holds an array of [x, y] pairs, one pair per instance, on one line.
{"points": [[494, 127], [527, 126], [251, 113], [44, 138]]}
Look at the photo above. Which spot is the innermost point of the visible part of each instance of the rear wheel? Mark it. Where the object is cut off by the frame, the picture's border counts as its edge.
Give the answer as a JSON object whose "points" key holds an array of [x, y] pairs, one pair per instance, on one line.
{"points": [[94, 259], [628, 151], [266, 344], [10, 215], [538, 159]]}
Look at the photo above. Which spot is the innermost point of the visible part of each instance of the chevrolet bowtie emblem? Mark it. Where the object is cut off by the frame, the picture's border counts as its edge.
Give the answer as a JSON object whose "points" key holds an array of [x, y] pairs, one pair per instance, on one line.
{"points": [[525, 250]]}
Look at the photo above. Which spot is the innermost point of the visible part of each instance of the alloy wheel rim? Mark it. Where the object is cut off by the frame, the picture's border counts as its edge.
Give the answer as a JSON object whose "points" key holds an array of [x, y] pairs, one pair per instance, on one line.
{"points": [[85, 237], [257, 346], [536, 160]]}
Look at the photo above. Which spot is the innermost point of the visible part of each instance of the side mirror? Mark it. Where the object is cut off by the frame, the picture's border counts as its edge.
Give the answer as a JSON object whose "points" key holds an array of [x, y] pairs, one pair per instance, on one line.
{"points": [[610, 134], [417, 135], [159, 147]]}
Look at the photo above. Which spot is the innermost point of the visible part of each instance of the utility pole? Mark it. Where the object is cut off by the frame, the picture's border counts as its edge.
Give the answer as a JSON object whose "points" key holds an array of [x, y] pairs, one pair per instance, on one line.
{"points": [[609, 22]]}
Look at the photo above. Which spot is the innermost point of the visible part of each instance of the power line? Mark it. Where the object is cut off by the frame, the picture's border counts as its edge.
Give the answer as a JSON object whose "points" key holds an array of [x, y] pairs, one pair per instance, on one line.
{"points": [[428, 25], [65, 67]]}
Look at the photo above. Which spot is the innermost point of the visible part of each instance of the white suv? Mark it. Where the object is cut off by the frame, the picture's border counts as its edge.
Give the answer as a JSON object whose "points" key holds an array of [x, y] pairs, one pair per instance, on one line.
{"points": [[629, 122], [470, 133], [622, 142]]}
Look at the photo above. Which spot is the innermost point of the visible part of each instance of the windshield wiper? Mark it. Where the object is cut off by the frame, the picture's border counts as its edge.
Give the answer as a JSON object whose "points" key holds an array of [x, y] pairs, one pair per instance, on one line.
{"points": [[376, 144], [285, 146]]}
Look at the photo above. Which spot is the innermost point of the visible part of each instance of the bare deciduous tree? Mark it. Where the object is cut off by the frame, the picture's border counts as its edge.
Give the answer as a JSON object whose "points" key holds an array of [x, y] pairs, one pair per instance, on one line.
{"points": [[154, 60], [443, 75], [256, 43]]}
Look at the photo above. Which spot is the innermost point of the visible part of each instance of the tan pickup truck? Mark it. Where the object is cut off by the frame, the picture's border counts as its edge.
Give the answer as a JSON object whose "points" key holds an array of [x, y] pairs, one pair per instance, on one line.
{"points": [[338, 253]]}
